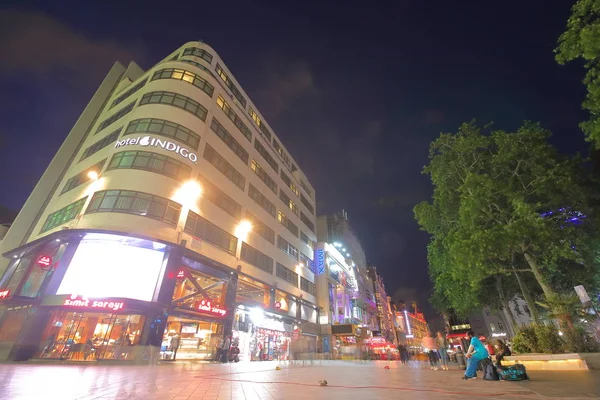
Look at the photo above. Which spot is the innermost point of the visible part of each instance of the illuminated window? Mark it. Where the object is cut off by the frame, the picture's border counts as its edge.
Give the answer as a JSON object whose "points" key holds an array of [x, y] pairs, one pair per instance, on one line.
{"points": [[256, 258], [224, 167], [100, 144], [198, 52], [161, 127], [175, 100], [261, 125], [287, 247], [285, 221], [265, 154], [288, 202], [262, 201], [116, 116], [262, 174], [251, 292], [223, 75], [205, 230], [186, 76], [229, 140], [82, 177], [286, 274], [153, 162], [129, 92], [305, 260], [63, 215], [234, 118], [219, 198], [137, 203], [289, 183]]}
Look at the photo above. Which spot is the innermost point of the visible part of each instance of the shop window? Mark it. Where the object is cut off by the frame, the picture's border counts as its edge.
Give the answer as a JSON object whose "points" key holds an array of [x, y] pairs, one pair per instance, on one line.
{"points": [[91, 336], [198, 340], [252, 293], [38, 273], [195, 289], [11, 323], [282, 302]]}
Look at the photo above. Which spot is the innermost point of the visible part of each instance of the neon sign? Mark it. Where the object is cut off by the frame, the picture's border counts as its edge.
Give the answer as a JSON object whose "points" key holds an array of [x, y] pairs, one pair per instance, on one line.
{"points": [[44, 261], [320, 262], [278, 305], [74, 301], [4, 294], [181, 274], [207, 307]]}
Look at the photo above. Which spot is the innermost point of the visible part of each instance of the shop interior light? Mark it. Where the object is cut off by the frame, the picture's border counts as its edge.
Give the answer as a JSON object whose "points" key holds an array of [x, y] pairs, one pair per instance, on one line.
{"points": [[337, 244], [93, 175], [257, 315]]}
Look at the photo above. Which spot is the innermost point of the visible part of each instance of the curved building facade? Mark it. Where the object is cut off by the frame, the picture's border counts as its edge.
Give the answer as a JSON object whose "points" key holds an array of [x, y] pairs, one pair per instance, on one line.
{"points": [[171, 210]]}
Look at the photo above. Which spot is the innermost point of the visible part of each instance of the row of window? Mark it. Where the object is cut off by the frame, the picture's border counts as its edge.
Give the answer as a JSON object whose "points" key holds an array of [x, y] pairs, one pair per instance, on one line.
{"points": [[229, 140], [261, 126], [282, 153], [262, 174], [307, 204], [286, 274], [176, 100], [82, 177], [116, 116], [198, 52], [186, 76], [260, 228], [220, 198], [287, 247], [308, 286], [265, 154], [262, 200], [152, 162], [237, 121], [63, 215], [224, 167], [129, 92], [285, 221], [100, 144], [223, 75], [288, 202], [307, 221], [161, 127], [256, 258], [202, 228], [137, 203], [286, 179]]}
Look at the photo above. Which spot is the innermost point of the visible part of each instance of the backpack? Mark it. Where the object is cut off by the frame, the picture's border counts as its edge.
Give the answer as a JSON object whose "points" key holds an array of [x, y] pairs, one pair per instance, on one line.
{"points": [[516, 372], [489, 370]]}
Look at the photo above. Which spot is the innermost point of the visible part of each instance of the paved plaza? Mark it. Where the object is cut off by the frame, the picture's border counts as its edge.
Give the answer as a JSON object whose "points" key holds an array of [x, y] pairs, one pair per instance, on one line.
{"points": [[261, 380]]}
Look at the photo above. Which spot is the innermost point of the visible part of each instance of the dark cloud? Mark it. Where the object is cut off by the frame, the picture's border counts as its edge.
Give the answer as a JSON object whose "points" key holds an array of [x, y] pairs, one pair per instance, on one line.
{"points": [[39, 45]]}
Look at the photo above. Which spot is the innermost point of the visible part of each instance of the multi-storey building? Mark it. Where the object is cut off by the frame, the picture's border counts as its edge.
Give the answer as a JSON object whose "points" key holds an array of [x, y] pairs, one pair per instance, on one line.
{"points": [[344, 288], [411, 326], [384, 312], [171, 209]]}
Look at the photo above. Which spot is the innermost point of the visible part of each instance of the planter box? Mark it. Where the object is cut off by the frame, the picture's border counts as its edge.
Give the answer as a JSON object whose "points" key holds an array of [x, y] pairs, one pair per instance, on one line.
{"points": [[556, 362]]}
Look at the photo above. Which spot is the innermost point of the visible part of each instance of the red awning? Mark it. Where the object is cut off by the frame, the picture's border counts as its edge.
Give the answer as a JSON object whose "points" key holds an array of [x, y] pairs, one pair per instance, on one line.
{"points": [[455, 335]]}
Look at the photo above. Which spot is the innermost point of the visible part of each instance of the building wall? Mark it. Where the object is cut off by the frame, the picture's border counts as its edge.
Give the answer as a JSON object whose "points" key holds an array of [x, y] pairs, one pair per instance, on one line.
{"points": [[47, 198]]}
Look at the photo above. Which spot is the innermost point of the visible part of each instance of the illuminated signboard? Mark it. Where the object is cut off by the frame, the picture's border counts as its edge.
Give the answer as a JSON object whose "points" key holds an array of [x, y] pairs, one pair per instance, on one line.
{"points": [[207, 307], [407, 323], [44, 261], [181, 274], [4, 293], [163, 144], [278, 305], [320, 261], [77, 301]]}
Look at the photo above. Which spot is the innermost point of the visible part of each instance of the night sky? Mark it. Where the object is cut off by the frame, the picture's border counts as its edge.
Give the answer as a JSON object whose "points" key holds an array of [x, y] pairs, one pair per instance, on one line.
{"points": [[356, 94]]}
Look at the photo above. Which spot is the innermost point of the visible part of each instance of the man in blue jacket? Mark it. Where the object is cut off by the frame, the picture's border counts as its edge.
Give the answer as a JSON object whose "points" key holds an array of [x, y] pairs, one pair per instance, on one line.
{"points": [[475, 354]]}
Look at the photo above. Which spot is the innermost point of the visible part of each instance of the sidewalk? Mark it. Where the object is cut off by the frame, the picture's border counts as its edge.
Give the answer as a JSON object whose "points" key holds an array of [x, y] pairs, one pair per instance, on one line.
{"points": [[261, 380]]}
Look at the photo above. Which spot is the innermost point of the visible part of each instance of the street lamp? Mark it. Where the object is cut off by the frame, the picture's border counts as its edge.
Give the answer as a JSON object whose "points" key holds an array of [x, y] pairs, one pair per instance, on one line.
{"points": [[187, 195], [243, 229], [93, 175]]}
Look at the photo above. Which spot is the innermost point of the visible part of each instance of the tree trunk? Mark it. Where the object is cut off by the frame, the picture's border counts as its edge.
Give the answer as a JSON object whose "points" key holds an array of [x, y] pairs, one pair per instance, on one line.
{"points": [[535, 269], [504, 302], [528, 299]]}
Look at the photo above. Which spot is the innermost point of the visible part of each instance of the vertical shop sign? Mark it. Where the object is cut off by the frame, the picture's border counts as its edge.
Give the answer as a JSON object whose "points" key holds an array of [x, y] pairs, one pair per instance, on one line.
{"points": [[320, 262]]}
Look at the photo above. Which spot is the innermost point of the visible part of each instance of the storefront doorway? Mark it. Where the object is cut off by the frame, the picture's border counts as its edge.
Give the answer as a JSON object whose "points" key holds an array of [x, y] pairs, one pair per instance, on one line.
{"points": [[193, 338], [91, 336]]}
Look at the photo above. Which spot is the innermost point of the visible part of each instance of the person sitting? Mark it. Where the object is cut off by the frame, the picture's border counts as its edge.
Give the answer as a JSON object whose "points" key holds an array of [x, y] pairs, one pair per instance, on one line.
{"points": [[475, 354], [503, 351]]}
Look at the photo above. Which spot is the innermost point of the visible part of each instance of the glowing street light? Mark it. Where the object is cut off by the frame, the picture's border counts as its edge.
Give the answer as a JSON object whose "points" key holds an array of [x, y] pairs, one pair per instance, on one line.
{"points": [[93, 175], [188, 194], [243, 229]]}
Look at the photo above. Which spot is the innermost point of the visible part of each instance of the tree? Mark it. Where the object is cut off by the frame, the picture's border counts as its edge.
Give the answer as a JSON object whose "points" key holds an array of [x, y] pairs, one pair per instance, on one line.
{"points": [[581, 40], [493, 194]]}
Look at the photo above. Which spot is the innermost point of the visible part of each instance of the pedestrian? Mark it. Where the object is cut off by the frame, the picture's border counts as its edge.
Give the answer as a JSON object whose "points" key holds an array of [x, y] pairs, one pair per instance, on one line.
{"points": [[503, 351], [475, 354], [430, 345], [225, 350], [442, 344], [175, 341]]}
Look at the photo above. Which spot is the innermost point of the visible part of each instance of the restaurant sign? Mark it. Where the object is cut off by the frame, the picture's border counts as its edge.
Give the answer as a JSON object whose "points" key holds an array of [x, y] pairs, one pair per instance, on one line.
{"points": [[83, 302], [207, 307]]}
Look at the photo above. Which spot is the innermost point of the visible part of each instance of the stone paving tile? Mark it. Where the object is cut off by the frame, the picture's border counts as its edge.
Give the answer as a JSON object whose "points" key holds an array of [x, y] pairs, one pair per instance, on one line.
{"points": [[260, 381]]}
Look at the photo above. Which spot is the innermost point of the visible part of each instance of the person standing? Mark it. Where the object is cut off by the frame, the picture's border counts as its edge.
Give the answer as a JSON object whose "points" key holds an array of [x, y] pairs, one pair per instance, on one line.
{"points": [[475, 354], [442, 344], [175, 341], [428, 343]]}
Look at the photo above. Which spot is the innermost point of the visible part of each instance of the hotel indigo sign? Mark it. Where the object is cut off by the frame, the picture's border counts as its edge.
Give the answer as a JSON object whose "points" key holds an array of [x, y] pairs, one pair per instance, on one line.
{"points": [[146, 141]]}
